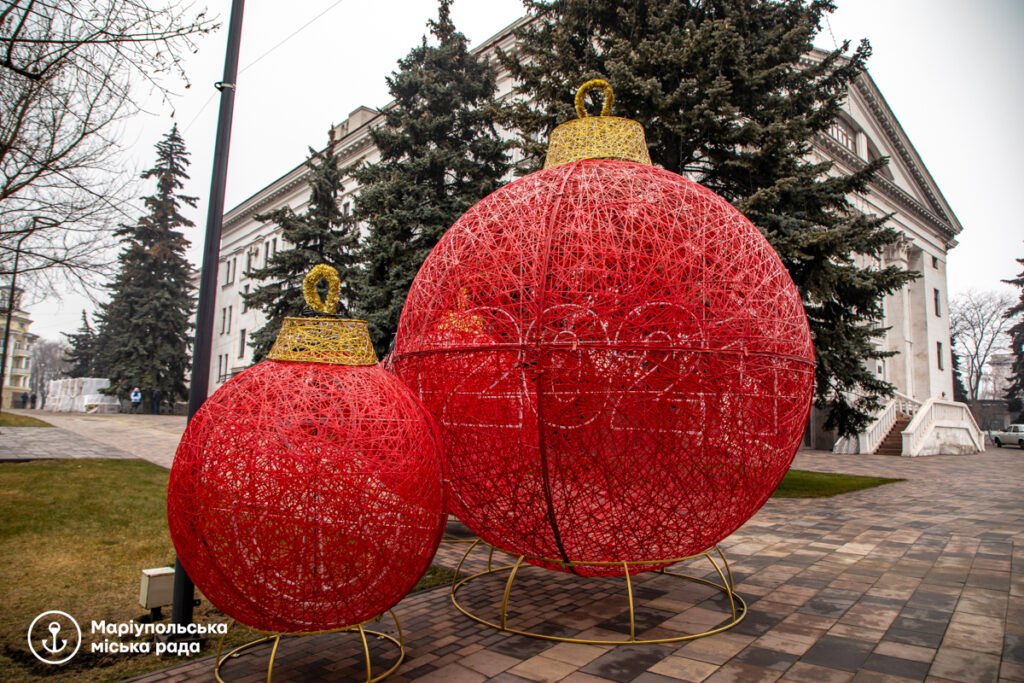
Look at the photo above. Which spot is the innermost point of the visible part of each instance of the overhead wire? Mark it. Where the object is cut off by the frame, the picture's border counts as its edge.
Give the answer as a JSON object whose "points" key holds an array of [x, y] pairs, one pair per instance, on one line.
{"points": [[261, 57]]}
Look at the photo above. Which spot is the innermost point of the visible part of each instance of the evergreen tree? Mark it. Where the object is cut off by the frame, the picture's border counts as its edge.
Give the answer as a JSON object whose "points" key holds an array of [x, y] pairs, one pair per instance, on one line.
{"points": [[959, 388], [145, 329], [83, 352], [724, 97], [439, 155], [320, 234], [1015, 392]]}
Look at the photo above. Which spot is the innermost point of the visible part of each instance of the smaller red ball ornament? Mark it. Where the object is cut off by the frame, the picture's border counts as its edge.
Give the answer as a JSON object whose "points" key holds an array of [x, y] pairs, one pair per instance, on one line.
{"points": [[306, 492]]}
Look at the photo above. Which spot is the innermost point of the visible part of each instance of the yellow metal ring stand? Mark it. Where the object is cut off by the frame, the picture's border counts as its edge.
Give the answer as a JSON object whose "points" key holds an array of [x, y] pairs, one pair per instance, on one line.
{"points": [[737, 607], [276, 638]]}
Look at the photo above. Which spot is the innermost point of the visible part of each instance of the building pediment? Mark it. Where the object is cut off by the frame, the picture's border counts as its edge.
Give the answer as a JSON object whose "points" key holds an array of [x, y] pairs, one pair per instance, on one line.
{"points": [[906, 181]]}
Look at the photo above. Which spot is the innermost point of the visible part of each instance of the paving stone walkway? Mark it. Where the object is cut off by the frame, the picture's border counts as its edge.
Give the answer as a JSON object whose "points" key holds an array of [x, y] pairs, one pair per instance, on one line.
{"points": [[46, 443], [77, 435], [921, 580]]}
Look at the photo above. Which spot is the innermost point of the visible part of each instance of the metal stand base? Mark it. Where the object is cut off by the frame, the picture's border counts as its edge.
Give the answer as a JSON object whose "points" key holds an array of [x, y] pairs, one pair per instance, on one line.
{"points": [[737, 607], [276, 639]]}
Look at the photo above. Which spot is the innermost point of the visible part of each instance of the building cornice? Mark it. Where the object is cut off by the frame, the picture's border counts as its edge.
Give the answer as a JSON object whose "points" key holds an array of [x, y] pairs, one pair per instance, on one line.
{"points": [[938, 212], [899, 141], [837, 152]]}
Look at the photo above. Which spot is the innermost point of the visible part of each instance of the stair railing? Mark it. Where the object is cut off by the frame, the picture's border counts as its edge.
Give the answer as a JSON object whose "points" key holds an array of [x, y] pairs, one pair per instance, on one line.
{"points": [[940, 413], [871, 438], [906, 405]]}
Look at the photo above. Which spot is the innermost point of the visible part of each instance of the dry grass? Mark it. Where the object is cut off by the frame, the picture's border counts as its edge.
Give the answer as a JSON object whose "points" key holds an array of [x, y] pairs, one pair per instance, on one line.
{"points": [[12, 420], [74, 536]]}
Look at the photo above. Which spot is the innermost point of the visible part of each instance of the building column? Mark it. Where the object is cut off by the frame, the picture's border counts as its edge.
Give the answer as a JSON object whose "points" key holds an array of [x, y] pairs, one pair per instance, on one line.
{"points": [[899, 338]]}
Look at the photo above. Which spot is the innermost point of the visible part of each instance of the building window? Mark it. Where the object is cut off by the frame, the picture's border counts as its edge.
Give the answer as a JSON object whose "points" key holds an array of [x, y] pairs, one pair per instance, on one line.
{"points": [[844, 134], [346, 208], [248, 262], [223, 319], [229, 271], [228, 328], [241, 344], [935, 262], [938, 309], [245, 306], [938, 348], [273, 246], [266, 253], [220, 368]]}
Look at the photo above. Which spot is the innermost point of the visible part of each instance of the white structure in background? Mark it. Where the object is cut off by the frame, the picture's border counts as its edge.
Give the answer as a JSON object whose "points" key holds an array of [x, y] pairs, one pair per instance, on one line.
{"points": [[917, 317], [80, 395], [996, 376]]}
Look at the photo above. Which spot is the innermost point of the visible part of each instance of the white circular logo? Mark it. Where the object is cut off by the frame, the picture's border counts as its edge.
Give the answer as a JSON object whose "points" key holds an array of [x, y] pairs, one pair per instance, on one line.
{"points": [[54, 637]]}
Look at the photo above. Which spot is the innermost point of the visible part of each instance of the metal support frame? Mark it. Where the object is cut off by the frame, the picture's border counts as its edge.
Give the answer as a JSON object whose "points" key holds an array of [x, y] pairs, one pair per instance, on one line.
{"points": [[737, 606], [276, 639]]}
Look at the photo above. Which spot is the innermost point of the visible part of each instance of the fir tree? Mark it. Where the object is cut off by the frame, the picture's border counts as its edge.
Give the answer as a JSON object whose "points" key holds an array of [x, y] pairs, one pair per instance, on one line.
{"points": [[724, 97], [83, 352], [959, 388], [1015, 392], [439, 155], [145, 329], [320, 234]]}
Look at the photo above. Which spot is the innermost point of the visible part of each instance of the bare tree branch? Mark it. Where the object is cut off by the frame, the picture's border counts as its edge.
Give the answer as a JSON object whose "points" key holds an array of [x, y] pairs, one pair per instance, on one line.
{"points": [[69, 71], [978, 325]]}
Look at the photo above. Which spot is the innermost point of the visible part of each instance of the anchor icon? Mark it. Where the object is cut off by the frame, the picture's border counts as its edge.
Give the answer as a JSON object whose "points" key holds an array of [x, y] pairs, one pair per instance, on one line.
{"points": [[53, 649], [54, 629]]}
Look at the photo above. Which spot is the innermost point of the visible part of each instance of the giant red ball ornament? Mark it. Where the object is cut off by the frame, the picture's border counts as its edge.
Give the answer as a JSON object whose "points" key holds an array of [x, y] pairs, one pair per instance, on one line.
{"points": [[306, 496], [620, 364]]}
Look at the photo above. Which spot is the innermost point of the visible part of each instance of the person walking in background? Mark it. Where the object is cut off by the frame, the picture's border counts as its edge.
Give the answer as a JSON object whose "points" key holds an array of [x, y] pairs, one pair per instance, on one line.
{"points": [[24, 400], [158, 397], [136, 399], [32, 400]]}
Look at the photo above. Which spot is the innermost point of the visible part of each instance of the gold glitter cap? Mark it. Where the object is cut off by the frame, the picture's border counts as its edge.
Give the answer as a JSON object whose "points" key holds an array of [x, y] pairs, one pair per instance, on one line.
{"points": [[597, 137], [335, 341]]}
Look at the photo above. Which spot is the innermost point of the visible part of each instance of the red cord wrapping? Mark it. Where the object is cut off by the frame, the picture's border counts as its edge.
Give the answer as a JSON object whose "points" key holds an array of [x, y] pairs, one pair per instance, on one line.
{"points": [[620, 364], [307, 497]]}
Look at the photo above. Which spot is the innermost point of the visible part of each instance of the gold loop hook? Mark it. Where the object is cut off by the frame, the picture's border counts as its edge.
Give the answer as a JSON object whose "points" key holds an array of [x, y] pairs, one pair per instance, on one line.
{"points": [[609, 97], [322, 272]]}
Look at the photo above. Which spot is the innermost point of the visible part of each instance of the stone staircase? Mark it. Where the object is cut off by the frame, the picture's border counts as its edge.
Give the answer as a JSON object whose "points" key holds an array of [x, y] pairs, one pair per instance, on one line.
{"points": [[909, 427], [892, 444]]}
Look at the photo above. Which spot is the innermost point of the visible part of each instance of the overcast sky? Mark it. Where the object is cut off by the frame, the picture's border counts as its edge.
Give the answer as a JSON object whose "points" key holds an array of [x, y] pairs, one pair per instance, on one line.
{"points": [[949, 70]]}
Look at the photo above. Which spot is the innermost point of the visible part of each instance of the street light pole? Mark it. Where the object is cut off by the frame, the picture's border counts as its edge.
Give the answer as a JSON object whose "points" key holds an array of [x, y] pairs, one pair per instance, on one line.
{"points": [[184, 589]]}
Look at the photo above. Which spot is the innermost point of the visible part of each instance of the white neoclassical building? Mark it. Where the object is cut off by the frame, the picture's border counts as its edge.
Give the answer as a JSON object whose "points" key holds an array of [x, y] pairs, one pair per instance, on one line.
{"points": [[917, 316]]}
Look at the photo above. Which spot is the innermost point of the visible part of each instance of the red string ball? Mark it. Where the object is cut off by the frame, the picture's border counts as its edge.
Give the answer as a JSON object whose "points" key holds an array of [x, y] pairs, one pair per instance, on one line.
{"points": [[620, 364], [307, 497]]}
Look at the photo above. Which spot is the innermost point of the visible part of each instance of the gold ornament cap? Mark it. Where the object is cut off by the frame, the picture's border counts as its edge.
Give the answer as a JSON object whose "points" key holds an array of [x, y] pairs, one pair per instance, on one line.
{"points": [[334, 341], [597, 137]]}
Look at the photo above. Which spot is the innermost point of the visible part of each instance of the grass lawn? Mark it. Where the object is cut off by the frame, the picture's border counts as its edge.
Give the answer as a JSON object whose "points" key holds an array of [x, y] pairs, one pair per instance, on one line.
{"points": [[74, 536], [12, 420], [804, 484]]}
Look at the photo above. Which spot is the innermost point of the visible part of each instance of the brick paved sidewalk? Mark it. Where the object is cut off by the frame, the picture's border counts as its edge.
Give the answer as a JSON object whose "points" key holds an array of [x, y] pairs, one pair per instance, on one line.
{"points": [[920, 580], [148, 437], [46, 443]]}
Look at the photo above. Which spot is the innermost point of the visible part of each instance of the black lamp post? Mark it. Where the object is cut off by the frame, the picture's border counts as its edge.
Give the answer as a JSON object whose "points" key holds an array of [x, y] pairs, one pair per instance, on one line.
{"points": [[184, 589]]}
